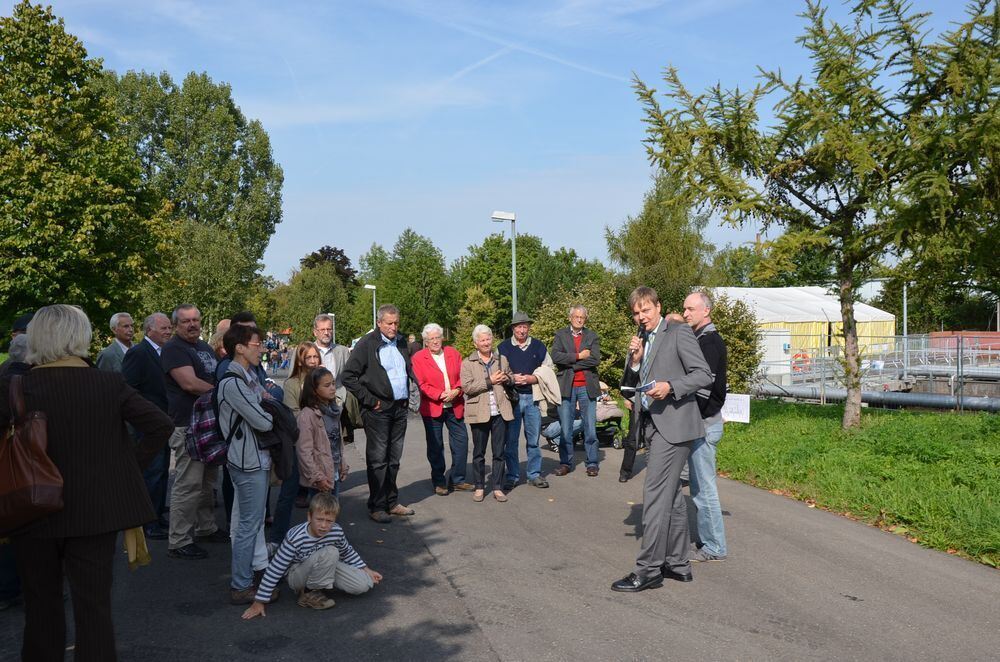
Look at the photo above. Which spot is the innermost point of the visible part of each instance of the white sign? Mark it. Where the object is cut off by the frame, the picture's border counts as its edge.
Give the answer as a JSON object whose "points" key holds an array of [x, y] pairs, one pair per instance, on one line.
{"points": [[736, 408]]}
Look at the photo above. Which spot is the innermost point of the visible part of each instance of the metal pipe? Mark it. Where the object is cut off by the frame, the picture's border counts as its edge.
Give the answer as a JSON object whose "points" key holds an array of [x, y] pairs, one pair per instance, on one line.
{"points": [[992, 374], [895, 398]]}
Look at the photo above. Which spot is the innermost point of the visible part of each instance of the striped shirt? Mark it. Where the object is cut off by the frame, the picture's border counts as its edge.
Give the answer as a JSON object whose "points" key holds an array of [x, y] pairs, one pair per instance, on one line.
{"points": [[299, 545]]}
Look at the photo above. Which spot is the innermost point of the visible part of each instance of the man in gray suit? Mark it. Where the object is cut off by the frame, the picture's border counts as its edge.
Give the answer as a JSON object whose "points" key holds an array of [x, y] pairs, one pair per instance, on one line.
{"points": [[111, 357], [671, 369]]}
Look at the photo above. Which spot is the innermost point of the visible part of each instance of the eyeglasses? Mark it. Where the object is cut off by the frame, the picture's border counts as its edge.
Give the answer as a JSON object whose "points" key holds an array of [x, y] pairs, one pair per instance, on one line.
{"points": [[253, 344]]}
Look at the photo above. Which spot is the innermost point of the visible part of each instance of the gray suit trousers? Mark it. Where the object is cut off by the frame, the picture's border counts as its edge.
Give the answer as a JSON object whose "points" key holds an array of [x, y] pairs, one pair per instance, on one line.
{"points": [[665, 537]]}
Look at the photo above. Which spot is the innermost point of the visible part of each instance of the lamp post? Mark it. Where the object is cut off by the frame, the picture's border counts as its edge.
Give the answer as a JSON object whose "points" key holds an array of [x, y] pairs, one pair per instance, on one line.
{"points": [[501, 217], [372, 288]]}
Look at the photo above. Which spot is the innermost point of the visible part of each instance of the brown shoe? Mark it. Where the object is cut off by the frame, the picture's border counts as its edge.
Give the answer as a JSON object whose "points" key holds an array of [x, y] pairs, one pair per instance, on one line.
{"points": [[479, 495], [380, 516], [561, 470], [441, 491], [463, 487], [315, 599], [592, 471], [242, 596], [399, 510]]}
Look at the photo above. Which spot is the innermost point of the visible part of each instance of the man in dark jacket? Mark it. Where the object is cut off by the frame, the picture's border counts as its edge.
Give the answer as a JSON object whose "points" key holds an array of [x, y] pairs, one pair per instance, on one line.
{"points": [[142, 370], [701, 464], [378, 374], [576, 352]]}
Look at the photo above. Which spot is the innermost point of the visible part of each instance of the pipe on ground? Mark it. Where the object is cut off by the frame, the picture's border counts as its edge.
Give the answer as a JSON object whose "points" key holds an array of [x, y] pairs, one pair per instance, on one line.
{"points": [[893, 398]]}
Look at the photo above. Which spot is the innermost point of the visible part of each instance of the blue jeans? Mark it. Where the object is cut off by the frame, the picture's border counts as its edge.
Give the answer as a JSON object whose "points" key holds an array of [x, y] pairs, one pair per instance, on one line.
{"points": [[704, 493], [155, 477], [251, 495], [588, 414], [458, 441], [285, 503], [524, 408]]}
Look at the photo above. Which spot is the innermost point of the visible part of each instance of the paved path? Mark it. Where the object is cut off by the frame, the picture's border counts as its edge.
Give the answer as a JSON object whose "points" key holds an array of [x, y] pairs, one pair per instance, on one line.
{"points": [[528, 580]]}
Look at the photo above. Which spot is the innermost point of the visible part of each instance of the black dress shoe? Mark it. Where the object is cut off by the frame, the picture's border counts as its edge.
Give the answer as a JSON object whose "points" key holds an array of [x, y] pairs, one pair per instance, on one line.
{"points": [[217, 536], [668, 573], [623, 478], [632, 584], [188, 552]]}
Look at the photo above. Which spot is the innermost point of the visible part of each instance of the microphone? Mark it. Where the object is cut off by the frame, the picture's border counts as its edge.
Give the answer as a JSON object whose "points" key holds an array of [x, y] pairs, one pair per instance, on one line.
{"points": [[629, 391]]}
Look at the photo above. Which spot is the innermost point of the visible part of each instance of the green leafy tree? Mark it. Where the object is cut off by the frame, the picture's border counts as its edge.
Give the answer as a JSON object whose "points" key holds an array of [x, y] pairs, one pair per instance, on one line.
{"points": [[663, 247], [308, 293], [475, 310], [540, 273], [740, 329], [891, 138], [76, 224], [214, 166], [608, 318]]}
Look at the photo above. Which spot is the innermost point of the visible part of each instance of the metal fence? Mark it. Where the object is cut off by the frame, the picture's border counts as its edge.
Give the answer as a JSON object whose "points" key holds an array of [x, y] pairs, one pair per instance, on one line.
{"points": [[949, 363]]}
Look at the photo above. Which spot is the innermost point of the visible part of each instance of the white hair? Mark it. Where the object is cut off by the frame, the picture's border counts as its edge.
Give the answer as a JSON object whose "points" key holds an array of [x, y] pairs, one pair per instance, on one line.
{"points": [[480, 330], [322, 317], [430, 328], [578, 306], [117, 318], [151, 320], [58, 332]]}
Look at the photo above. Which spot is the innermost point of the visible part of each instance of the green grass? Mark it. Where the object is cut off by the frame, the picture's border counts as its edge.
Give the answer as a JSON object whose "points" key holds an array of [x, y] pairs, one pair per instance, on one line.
{"points": [[933, 477]]}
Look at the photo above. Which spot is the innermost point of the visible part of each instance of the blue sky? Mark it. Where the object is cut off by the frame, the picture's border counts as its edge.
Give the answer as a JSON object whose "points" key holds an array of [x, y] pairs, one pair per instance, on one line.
{"points": [[432, 114]]}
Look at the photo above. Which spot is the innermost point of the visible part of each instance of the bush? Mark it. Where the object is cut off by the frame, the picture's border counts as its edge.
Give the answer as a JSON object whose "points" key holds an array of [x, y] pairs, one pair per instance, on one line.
{"points": [[738, 326]]}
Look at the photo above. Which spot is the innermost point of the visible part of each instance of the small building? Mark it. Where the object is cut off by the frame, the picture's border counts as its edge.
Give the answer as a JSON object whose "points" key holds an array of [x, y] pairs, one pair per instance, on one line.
{"points": [[802, 324]]}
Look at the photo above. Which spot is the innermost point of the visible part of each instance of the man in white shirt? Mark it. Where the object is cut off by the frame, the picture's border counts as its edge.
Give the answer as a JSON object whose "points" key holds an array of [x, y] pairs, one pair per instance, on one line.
{"points": [[333, 356]]}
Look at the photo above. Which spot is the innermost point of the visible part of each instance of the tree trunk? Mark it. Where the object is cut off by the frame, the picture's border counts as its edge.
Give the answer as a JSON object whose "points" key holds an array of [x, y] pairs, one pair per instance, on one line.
{"points": [[852, 357]]}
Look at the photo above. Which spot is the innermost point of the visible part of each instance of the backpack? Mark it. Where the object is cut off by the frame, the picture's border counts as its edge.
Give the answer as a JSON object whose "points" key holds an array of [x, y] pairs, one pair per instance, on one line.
{"points": [[280, 440], [204, 441]]}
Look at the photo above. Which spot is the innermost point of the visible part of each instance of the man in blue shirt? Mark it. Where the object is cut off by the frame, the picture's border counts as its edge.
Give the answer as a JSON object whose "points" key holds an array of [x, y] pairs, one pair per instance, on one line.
{"points": [[378, 373], [525, 355]]}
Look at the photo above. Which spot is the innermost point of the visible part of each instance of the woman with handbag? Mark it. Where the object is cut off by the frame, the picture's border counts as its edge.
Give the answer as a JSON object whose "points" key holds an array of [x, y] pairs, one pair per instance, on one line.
{"points": [[484, 375], [103, 491]]}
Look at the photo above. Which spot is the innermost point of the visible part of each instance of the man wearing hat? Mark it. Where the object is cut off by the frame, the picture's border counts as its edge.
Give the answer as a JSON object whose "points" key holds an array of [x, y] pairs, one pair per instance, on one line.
{"points": [[525, 355]]}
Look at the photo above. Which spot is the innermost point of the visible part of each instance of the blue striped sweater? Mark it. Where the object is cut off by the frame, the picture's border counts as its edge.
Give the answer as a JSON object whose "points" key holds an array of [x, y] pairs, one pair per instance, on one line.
{"points": [[299, 545]]}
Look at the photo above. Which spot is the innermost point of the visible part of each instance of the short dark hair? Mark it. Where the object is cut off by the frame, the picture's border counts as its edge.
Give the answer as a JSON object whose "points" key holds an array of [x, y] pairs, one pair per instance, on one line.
{"points": [[243, 317], [386, 309], [238, 335], [309, 398], [642, 293]]}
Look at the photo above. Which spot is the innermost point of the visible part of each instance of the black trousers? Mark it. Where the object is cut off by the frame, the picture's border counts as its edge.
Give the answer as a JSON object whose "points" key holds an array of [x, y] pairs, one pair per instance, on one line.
{"points": [[384, 431], [631, 445], [496, 430], [86, 562]]}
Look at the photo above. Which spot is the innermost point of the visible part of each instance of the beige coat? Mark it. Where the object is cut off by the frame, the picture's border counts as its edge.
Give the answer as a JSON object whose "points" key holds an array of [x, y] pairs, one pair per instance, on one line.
{"points": [[475, 385], [313, 449]]}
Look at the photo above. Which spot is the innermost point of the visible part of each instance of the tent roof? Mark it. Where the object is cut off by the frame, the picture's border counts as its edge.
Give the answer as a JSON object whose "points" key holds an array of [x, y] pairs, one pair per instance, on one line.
{"points": [[799, 304]]}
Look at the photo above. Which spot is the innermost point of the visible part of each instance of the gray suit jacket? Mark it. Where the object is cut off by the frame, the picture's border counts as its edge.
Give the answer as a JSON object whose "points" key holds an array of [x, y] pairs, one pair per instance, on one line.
{"points": [[111, 357], [563, 354], [676, 358]]}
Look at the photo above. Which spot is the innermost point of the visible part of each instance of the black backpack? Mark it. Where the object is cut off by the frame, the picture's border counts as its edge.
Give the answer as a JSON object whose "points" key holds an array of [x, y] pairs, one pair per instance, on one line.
{"points": [[280, 440]]}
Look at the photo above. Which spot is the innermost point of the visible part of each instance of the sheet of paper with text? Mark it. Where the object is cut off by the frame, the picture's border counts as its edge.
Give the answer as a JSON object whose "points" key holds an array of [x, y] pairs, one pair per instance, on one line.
{"points": [[736, 408]]}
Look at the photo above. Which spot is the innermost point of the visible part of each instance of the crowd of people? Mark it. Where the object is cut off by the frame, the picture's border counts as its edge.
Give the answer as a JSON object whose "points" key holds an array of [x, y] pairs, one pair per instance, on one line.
{"points": [[167, 385]]}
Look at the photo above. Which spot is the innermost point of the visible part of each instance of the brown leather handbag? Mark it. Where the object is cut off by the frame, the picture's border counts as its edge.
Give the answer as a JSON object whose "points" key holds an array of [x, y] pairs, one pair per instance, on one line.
{"points": [[31, 486]]}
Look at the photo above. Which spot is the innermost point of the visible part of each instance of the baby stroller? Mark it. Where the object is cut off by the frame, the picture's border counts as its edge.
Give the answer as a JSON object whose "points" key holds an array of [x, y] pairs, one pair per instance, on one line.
{"points": [[610, 431]]}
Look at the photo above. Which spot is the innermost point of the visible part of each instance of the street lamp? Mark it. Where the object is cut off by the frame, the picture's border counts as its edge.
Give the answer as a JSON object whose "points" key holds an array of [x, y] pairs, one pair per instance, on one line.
{"points": [[372, 288], [333, 318], [501, 217]]}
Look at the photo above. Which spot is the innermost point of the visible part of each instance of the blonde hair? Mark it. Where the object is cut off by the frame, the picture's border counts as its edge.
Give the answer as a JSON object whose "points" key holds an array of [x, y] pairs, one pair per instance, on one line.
{"points": [[57, 332], [324, 502], [215, 342]]}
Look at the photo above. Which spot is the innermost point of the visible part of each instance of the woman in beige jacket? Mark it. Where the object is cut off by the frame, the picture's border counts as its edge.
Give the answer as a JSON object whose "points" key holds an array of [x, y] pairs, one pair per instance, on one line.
{"points": [[487, 409]]}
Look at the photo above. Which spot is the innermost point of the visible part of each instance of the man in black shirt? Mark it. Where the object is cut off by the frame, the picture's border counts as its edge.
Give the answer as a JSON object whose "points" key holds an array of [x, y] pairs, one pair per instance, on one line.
{"points": [[704, 493], [189, 365]]}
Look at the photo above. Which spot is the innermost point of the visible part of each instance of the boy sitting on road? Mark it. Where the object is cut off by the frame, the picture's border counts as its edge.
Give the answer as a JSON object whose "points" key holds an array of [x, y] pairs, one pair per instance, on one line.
{"points": [[316, 556]]}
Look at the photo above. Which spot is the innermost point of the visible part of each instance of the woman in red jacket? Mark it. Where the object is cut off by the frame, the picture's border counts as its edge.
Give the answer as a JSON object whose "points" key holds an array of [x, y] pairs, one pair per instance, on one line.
{"points": [[441, 404]]}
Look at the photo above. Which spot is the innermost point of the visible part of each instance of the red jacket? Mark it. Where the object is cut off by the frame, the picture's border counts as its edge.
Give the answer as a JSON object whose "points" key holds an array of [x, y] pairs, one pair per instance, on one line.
{"points": [[432, 381]]}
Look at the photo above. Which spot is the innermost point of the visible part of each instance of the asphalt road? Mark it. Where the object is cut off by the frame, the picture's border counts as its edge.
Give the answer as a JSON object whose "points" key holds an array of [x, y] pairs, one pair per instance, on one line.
{"points": [[529, 580]]}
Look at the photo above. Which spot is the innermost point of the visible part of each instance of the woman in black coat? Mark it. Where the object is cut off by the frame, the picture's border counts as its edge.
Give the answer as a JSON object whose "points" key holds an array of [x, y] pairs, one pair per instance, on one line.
{"points": [[103, 490]]}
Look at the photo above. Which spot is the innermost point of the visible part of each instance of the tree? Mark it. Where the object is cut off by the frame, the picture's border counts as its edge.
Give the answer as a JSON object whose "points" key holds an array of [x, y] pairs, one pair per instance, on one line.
{"points": [[215, 167], [413, 278], [849, 166], [608, 317], [663, 246], [76, 224], [540, 273], [738, 326], [308, 293], [336, 257], [476, 308]]}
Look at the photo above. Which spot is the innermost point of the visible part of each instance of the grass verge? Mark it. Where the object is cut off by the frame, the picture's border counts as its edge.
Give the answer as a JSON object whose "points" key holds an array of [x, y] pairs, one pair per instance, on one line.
{"points": [[932, 477]]}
